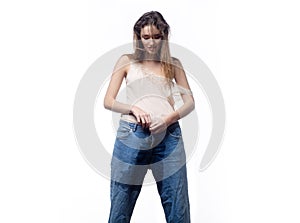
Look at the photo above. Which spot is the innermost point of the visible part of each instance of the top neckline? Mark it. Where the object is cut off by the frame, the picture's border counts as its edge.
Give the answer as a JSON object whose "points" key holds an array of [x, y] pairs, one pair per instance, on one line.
{"points": [[147, 71]]}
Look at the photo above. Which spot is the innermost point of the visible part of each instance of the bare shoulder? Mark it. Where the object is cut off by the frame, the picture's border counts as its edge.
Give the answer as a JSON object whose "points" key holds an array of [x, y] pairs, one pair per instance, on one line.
{"points": [[176, 61], [179, 74], [178, 68], [129, 56], [124, 59], [123, 63]]}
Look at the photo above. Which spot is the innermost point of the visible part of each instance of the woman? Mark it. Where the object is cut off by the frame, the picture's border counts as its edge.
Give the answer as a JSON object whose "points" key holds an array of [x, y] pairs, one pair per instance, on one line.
{"points": [[149, 135]]}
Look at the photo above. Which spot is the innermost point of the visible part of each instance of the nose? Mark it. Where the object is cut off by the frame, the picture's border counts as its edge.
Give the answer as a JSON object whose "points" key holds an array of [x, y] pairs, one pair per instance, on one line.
{"points": [[151, 42]]}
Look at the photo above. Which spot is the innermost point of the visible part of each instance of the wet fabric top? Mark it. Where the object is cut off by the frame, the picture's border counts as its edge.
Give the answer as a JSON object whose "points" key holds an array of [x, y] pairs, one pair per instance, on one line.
{"points": [[150, 92]]}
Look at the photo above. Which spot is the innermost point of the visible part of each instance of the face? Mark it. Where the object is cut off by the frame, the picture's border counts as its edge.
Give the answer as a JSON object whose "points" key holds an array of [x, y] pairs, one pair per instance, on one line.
{"points": [[151, 39]]}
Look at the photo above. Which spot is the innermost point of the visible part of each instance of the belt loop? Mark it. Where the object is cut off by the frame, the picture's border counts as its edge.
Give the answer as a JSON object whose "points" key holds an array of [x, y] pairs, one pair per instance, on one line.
{"points": [[135, 127]]}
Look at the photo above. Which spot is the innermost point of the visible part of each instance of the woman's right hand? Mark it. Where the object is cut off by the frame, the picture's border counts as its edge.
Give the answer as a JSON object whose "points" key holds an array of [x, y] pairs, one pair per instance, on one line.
{"points": [[141, 116]]}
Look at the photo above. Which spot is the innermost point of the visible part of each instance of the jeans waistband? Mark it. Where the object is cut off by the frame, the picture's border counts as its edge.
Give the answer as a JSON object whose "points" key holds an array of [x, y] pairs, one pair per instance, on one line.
{"points": [[136, 126]]}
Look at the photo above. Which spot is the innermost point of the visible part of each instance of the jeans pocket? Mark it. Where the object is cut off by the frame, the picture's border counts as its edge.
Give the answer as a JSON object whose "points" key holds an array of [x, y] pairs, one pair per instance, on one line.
{"points": [[175, 132], [123, 132]]}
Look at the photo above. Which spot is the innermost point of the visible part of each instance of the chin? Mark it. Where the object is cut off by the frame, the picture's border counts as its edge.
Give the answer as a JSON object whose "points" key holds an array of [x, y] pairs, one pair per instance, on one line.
{"points": [[152, 52]]}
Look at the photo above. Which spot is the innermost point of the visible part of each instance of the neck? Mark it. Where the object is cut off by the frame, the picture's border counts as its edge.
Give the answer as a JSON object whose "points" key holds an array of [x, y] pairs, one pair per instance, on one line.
{"points": [[150, 62], [151, 57]]}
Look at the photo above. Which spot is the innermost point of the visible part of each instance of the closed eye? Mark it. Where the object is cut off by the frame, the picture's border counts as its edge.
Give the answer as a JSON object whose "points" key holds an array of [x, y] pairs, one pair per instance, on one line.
{"points": [[145, 37], [156, 36]]}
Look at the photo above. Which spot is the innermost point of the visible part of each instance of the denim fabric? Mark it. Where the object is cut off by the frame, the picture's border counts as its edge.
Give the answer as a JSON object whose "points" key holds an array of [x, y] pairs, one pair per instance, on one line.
{"points": [[135, 151]]}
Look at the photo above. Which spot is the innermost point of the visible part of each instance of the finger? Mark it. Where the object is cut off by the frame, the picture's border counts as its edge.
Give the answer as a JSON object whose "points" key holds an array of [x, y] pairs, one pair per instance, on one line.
{"points": [[143, 122], [148, 121], [155, 131], [153, 128], [138, 119]]}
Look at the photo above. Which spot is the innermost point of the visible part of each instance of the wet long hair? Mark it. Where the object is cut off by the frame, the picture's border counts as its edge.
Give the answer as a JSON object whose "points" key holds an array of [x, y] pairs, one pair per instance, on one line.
{"points": [[156, 19]]}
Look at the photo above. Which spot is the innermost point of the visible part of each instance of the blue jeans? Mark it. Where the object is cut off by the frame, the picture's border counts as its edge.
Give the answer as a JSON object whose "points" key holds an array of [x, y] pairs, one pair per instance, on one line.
{"points": [[135, 151]]}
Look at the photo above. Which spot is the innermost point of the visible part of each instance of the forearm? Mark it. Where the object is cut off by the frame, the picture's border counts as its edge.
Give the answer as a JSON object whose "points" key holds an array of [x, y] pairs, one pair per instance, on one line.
{"points": [[116, 106], [185, 109]]}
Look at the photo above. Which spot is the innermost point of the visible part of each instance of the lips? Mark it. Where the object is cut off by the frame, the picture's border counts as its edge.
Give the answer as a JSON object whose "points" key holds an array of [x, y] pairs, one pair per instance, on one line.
{"points": [[151, 48]]}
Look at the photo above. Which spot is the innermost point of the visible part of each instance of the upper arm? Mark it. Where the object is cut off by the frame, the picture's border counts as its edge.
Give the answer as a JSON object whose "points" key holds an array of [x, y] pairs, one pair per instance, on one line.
{"points": [[181, 79], [118, 74]]}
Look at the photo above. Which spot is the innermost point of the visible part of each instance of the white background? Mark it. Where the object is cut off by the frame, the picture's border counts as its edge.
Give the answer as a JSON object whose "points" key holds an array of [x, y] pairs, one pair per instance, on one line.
{"points": [[252, 47]]}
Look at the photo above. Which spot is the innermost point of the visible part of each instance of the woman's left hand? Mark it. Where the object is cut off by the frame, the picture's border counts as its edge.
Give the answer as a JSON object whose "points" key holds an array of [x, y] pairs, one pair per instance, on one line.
{"points": [[158, 125]]}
